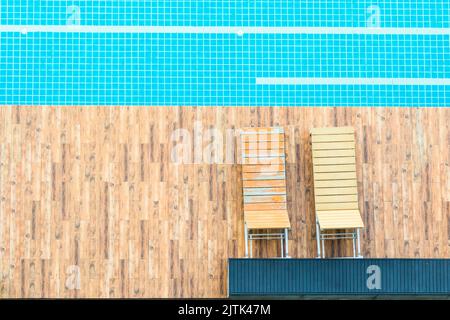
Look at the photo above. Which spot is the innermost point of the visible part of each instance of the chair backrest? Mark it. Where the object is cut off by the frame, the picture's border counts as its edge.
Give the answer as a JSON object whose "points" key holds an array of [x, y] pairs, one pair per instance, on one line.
{"points": [[264, 178], [334, 165]]}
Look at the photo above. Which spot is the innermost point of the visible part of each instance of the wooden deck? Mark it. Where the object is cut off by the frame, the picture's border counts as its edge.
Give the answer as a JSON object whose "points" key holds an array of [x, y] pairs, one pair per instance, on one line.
{"points": [[94, 189]]}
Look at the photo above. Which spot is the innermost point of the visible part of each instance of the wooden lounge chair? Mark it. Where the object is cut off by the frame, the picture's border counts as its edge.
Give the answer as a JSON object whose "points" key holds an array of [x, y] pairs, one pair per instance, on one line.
{"points": [[264, 187], [335, 187]]}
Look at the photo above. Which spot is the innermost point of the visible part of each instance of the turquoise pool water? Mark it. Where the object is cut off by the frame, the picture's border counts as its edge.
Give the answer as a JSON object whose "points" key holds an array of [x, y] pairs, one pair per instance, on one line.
{"points": [[75, 63]]}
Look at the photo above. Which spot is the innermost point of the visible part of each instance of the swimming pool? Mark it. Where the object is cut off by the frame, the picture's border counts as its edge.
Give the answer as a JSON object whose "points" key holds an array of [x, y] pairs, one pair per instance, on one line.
{"points": [[332, 53]]}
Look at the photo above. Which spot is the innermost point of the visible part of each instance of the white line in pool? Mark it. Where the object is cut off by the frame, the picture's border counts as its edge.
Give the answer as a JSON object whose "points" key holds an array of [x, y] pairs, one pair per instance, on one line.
{"points": [[222, 30], [355, 81]]}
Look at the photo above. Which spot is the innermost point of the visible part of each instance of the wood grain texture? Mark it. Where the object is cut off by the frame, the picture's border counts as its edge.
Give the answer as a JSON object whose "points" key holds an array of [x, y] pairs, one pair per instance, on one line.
{"points": [[94, 188]]}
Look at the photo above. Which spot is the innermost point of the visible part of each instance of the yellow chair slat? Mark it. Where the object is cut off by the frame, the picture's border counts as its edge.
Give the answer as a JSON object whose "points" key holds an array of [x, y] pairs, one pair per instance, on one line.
{"points": [[333, 145], [333, 153], [333, 138], [335, 168], [337, 199], [337, 206], [335, 191], [335, 176], [334, 161], [334, 183], [332, 130], [339, 219]]}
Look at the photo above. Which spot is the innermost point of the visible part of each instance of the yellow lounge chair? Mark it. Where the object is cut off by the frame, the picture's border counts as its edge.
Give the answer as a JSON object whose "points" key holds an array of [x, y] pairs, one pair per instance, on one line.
{"points": [[264, 186], [335, 187]]}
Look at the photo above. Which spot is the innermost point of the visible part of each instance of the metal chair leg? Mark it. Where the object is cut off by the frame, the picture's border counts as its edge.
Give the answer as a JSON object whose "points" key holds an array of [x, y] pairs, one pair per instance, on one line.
{"points": [[246, 240], [354, 236], [354, 245], [282, 249], [359, 243], [286, 242], [282, 236], [323, 248], [318, 239]]}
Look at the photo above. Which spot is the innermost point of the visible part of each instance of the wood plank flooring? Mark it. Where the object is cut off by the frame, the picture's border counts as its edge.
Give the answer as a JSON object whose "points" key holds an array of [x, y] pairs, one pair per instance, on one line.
{"points": [[91, 204]]}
